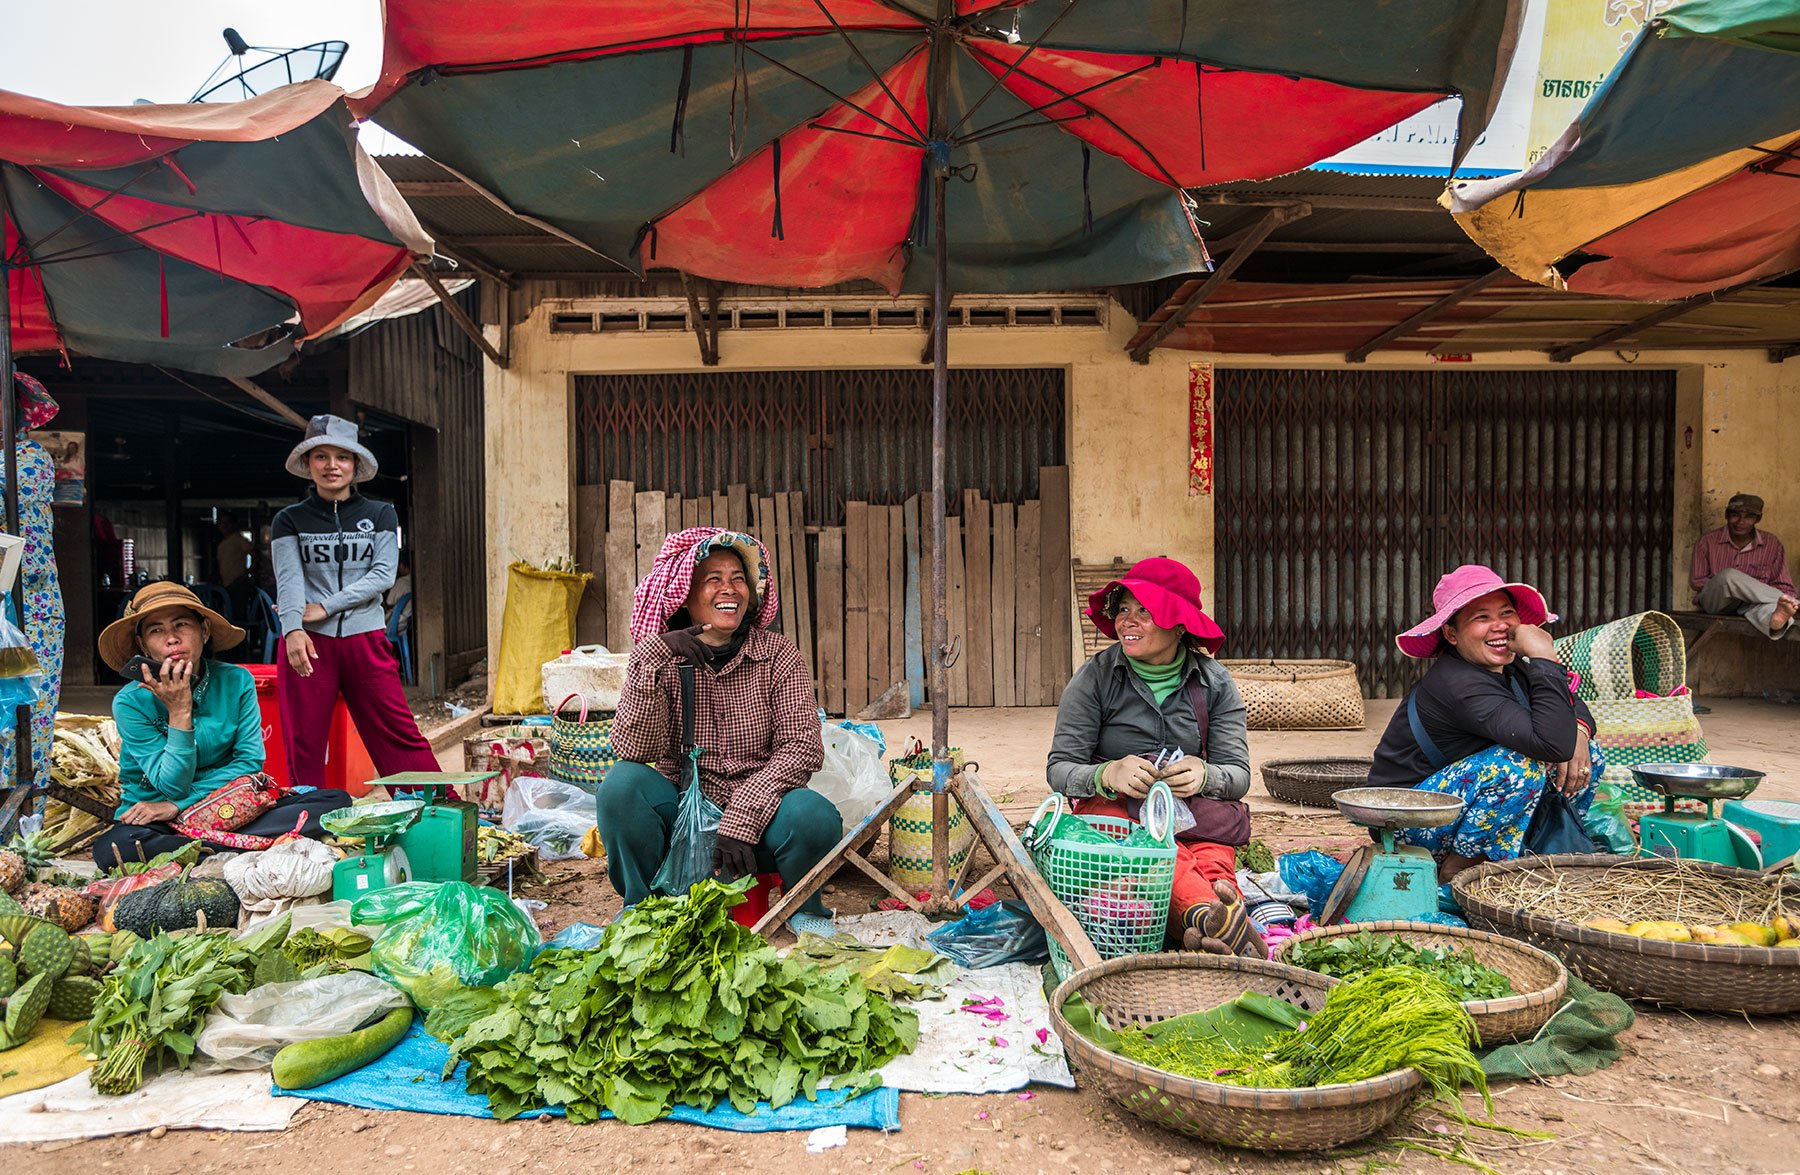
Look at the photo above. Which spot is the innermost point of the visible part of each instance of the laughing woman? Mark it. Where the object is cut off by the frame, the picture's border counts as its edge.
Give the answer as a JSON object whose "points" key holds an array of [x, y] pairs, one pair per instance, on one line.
{"points": [[709, 602], [1494, 721], [1124, 717]]}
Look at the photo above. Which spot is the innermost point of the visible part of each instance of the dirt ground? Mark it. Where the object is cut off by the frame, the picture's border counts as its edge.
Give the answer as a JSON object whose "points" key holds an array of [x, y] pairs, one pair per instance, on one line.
{"points": [[1693, 1092]]}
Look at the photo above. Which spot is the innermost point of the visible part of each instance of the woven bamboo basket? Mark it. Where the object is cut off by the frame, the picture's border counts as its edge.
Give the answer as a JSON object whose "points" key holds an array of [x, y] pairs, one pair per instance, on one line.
{"points": [[1313, 782], [1542, 983], [1147, 989], [1299, 695], [1703, 978]]}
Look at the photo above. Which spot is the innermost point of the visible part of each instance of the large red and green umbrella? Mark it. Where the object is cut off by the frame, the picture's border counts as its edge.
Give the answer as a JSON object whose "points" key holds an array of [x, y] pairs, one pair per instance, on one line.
{"points": [[205, 237], [792, 142], [1682, 174], [814, 142]]}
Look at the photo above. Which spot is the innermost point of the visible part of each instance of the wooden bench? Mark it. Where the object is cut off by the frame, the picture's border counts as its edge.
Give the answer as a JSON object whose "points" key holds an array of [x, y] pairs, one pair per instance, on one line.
{"points": [[1705, 625]]}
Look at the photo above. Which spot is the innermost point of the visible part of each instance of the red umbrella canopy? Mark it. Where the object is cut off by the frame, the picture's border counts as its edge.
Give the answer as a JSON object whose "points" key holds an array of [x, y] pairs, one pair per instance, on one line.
{"points": [[789, 141], [206, 237]]}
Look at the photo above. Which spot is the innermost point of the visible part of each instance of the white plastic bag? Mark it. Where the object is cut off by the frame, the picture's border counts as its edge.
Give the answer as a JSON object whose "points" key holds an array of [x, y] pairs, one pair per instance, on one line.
{"points": [[853, 777], [550, 814], [271, 882], [246, 1031]]}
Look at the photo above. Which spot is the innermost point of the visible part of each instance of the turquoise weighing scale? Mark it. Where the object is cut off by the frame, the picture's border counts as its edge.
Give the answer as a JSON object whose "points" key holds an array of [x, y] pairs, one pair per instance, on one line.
{"points": [[381, 862], [441, 844], [1391, 881], [1696, 836]]}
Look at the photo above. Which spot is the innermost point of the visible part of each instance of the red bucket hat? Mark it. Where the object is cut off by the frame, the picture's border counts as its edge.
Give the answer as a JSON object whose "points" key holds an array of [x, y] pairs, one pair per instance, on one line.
{"points": [[1469, 582], [1169, 592]]}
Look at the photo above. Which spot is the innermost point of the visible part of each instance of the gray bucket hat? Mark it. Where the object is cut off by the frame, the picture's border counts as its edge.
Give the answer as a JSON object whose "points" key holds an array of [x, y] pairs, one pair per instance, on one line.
{"points": [[339, 434]]}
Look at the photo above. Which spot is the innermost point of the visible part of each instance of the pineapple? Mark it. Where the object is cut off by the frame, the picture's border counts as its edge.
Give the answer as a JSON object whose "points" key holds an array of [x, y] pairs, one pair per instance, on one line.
{"points": [[12, 871], [35, 850], [68, 908]]}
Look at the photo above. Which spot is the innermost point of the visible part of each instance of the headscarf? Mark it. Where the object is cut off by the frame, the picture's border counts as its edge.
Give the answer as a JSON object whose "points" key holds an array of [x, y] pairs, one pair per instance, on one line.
{"points": [[36, 407], [664, 591]]}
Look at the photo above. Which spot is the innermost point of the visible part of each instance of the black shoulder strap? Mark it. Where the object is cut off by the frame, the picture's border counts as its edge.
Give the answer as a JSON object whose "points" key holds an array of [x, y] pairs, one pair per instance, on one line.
{"points": [[1433, 755], [686, 669], [1196, 693]]}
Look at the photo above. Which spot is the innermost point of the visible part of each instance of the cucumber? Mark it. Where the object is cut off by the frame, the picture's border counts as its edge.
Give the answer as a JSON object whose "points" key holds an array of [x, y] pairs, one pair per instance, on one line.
{"points": [[307, 1063]]}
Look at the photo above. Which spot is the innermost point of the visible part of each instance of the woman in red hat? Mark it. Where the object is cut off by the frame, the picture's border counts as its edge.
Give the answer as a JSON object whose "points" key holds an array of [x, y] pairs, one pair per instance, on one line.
{"points": [[1156, 706], [1494, 720]]}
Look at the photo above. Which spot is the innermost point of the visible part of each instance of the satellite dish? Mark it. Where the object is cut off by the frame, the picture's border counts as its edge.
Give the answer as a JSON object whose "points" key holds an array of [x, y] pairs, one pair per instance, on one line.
{"points": [[255, 69]]}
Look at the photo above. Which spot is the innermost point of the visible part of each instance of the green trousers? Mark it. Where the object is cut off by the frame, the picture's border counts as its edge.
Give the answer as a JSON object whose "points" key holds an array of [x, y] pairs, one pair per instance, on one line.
{"points": [[635, 807]]}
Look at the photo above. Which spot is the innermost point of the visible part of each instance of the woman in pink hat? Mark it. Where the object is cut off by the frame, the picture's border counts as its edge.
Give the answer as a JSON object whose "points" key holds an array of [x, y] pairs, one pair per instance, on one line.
{"points": [[1156, 706], [1494, 720]]}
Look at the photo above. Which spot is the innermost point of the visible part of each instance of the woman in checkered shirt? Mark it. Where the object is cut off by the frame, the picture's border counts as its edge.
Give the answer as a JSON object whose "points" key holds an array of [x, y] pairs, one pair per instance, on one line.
{"points": [[710, 601]]}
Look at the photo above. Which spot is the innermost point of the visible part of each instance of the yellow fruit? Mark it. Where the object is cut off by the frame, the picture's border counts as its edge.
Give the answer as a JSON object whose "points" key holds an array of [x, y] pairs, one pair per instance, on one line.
{"points": [[1785, 926], [1757, 933], [1789, 942], [1612, 924], [1725, 936], [1661, 931], [1703, 933]]}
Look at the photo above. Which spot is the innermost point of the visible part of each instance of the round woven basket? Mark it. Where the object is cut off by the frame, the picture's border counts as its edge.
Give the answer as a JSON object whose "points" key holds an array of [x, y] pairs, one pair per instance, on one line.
{"points": [[1298, 695], [1542, 983], [1757, 980], [1313, 782], [1147, 989]]}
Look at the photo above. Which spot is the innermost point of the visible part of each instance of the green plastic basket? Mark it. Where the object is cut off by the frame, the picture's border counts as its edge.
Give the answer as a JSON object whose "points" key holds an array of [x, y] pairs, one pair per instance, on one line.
{"points": [[1113, 874]]}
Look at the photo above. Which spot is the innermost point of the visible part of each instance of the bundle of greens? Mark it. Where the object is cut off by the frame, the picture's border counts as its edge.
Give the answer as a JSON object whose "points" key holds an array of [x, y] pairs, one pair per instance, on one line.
{"points": [[157, 999], [1348, 956], [1392, 1018], [678, 1004]]}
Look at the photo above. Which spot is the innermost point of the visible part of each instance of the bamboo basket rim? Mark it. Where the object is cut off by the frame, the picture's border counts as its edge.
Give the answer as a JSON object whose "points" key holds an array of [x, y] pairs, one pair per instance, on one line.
{"points": [[1517, 1002], [1575, 932], [1216, 1093]]}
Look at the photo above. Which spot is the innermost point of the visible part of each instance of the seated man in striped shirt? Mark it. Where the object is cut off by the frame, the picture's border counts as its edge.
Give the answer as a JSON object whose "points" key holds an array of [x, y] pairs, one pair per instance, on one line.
{"points": [[1739, 569]]}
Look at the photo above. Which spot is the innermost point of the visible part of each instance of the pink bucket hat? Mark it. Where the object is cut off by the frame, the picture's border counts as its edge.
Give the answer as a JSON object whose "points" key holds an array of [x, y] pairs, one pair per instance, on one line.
{"points": [[1169, 592], [1469, 582]]}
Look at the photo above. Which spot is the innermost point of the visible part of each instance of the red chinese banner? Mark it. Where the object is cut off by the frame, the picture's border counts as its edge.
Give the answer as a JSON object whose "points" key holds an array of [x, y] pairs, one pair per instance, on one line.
{"points": [[1200, 431]]}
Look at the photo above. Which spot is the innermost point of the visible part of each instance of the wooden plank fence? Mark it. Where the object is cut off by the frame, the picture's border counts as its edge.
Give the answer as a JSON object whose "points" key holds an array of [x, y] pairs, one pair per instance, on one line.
{"points": [[856, 598]]}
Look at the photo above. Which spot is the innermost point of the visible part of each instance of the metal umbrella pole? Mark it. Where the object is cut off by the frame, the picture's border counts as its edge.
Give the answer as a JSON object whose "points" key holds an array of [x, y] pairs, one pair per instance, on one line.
{"points": [[938, 152]]}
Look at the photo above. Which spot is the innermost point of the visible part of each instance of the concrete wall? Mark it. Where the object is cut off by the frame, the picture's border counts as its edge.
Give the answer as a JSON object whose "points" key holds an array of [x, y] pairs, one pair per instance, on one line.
{"points": [[1128, 429]]}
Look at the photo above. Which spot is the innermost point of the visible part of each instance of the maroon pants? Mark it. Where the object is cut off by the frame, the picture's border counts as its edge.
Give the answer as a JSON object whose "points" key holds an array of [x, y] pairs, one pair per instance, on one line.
{"points": [[364, 670]]}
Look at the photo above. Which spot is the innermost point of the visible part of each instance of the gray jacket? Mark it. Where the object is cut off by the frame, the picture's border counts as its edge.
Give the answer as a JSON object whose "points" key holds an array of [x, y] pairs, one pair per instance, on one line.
{"points": [[341, 555], [1108, 712]]}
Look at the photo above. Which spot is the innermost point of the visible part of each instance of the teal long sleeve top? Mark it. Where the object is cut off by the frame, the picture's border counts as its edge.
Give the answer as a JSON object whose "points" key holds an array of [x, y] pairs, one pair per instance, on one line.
{"points": [[183, 766]]}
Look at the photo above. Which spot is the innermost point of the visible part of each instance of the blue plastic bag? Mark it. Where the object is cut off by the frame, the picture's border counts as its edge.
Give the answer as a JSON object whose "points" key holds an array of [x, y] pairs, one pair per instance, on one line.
{"points": [[1311, 873], [1004, 932]]}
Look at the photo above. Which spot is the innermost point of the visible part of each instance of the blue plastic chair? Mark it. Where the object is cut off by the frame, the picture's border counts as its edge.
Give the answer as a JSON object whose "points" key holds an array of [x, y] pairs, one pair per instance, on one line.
{"points": [[399, 632], [271, 625], [213, 596]]}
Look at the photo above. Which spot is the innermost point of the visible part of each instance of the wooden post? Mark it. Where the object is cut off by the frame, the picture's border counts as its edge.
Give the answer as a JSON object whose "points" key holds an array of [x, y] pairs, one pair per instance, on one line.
{"points": [[652, 529], [958, 604], [800, 588], [978, 577], [856, 606], [915, 617], [896, 586], [621, 562], [1028, 631], [875, 562], [1055, 584], [590, 555], [831, 617], [1006, 677]]}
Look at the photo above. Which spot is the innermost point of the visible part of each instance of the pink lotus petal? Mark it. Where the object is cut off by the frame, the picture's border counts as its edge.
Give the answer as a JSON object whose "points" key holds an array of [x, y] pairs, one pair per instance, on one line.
{"points": [[1025, 1097], [981, 1117], [1043, 1035], [999, 1042]]}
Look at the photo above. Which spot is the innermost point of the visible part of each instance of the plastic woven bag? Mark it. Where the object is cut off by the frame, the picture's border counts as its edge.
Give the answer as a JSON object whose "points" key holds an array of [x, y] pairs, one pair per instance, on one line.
{"points": [[438, 935], [539, 623], [691, 841]]}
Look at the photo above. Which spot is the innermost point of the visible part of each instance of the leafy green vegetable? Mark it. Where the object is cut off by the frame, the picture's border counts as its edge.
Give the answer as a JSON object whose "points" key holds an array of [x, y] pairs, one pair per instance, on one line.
{"points": [[158, 998], [1255, 857], [678, 1004], [898, 972], [1391, 1018], [1348, 956]]}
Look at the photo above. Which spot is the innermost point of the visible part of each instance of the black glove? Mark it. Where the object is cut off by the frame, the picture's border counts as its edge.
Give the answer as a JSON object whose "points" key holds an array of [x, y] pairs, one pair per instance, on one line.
{"points": [[685, 644], [733, 858]]}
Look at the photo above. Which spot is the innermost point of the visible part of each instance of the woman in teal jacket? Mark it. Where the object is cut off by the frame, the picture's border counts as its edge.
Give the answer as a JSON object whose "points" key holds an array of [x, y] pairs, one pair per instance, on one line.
{"points": [[187, 728]]}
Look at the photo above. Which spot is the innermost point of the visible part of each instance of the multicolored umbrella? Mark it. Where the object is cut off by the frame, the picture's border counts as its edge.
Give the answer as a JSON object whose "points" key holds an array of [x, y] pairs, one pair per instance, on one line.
{"points": [[792, 142], [1678, 179], [205, 237]]}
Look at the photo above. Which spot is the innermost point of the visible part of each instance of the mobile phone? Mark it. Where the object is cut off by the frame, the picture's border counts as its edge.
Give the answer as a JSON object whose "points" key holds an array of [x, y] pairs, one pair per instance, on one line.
{"points": [[129, 670]]}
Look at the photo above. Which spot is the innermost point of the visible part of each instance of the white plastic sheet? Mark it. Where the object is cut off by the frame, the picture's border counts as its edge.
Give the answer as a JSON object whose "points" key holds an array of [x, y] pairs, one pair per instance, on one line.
{"points": [[246, 1031]]}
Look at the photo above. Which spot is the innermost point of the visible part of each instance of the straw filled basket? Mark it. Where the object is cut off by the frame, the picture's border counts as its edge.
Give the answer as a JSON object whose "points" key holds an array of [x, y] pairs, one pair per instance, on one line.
{"points": [[1147, 989], [1299, 695], [1539, 981], [1544, 900], [1313, 782]]}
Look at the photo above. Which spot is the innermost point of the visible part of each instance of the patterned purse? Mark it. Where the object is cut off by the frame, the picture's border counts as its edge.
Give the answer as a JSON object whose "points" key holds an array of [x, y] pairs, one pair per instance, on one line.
{"points": [[229, 808]]}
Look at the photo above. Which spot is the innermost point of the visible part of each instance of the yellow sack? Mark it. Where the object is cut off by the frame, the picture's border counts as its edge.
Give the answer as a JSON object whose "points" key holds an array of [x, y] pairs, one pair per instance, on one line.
{"points": [[539, 624], [45, 1058]]}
